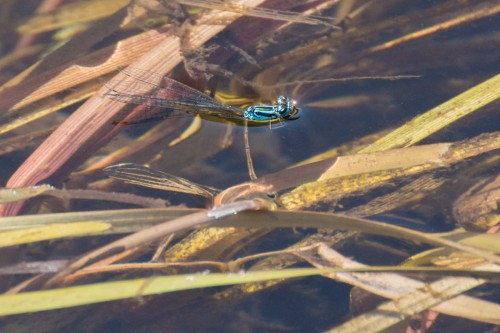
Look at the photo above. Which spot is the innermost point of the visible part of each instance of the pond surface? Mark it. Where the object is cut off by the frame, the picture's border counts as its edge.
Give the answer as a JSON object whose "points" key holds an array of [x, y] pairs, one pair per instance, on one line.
{"points": [[70, 107]]}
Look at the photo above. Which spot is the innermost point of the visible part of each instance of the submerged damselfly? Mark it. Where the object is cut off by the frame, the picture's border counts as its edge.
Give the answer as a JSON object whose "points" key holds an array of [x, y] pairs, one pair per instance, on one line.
{"points": [[171, 96]]}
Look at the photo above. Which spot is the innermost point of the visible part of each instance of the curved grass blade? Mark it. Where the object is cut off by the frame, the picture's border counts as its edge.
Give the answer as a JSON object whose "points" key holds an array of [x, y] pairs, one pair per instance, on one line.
{"points": [[126, 220], [275, 219]]}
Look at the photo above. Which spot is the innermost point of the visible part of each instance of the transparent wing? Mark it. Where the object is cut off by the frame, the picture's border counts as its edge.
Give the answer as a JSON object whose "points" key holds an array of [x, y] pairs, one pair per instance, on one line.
{"points": [[144, 176], [153, 91], [195, 107]]}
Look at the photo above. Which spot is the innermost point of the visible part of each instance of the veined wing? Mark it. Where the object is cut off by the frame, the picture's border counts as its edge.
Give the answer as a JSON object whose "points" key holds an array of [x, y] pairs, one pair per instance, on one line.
{"points": [[169, 106], [142, 175], [173, 90], [154, 91]]}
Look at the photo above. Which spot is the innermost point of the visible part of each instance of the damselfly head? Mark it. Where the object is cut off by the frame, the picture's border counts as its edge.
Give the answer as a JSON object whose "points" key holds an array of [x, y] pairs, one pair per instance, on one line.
{"points": [[287, 108]]}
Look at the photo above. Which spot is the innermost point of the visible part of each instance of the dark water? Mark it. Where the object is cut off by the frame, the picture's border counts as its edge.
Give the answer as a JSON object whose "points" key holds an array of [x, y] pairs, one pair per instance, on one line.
{"points": [[447, 62]]}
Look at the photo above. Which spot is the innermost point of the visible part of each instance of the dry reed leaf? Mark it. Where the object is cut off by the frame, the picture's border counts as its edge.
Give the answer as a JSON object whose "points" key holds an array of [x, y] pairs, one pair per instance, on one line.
{"points": [[391, 313], [394, 285], [22, 91], [387, 160]]}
